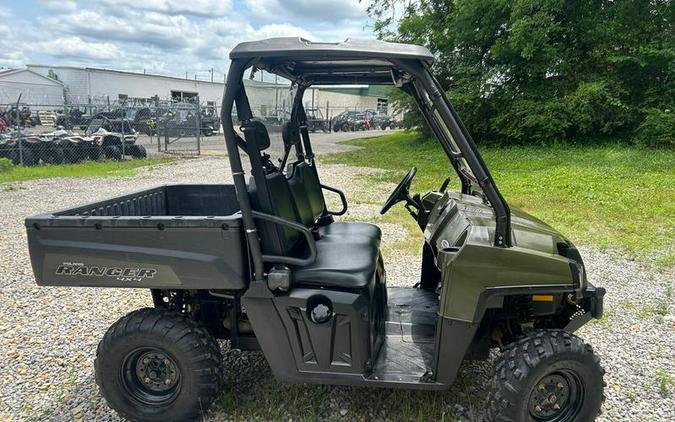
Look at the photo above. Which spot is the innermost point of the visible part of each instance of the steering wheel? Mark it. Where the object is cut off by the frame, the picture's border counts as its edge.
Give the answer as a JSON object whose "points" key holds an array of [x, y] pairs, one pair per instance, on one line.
{"points": [[401, 193]]}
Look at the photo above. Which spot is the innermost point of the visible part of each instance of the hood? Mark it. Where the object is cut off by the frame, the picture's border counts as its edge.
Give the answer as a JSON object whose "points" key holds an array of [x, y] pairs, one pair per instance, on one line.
{"points": [[527, 231]]}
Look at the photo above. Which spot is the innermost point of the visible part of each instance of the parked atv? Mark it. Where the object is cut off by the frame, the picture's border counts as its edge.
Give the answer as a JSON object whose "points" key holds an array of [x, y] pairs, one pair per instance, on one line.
{"points": [[113, 139], [210, 122], [341, 122], [183, 123], [9, 147], [9, 115], [73, 118], [358, 121], [263, 264], [29, 150], [316, 122], [73, 147], [382, 122]]}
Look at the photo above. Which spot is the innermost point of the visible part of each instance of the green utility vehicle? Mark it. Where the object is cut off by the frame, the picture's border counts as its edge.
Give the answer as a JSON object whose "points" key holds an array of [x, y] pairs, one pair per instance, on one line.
{"points": [[263, 264]]}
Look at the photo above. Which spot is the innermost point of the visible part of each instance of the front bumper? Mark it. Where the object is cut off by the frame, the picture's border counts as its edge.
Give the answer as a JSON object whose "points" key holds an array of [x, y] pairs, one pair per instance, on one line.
{"points": [[593, 300], [592, 303]]}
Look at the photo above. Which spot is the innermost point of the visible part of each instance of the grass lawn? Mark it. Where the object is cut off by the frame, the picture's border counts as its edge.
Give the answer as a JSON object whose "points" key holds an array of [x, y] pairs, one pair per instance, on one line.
{"points": [[615, 198], [84, 169]]}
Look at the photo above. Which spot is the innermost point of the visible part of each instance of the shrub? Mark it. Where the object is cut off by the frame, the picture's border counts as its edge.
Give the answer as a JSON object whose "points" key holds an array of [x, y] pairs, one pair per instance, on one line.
{"points": [[5, 165], [657, 130]]}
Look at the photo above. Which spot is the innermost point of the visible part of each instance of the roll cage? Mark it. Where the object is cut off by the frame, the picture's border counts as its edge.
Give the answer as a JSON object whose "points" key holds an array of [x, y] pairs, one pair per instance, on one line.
{"points": [[307, 63]]}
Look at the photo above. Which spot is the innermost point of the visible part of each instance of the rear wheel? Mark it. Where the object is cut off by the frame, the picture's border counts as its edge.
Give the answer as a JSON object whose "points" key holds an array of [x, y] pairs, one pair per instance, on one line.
{"points": [[157, 365], [56, 155], [13, 155], [29, 158], [137, 151], [547, 375], [94, 152], [71, 154], [112, 152]]}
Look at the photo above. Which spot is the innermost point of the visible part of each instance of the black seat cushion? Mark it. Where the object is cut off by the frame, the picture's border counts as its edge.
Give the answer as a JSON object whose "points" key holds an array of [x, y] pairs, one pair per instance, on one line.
{"points": [[352, 230], [310, 205], [340, 264]]}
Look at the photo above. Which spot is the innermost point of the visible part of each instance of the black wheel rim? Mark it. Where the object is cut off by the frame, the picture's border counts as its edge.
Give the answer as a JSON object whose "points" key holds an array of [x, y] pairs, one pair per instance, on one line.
{"points": [[150, 376], [557, 397]]}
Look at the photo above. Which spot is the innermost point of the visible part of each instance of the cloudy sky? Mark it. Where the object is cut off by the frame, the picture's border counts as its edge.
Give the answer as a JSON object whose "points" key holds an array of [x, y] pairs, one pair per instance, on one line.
{"points": [[169, 37]]}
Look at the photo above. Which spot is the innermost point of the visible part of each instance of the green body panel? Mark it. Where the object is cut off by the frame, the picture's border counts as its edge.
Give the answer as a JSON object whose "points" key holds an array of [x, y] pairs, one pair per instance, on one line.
{"points": [[461, 232]]}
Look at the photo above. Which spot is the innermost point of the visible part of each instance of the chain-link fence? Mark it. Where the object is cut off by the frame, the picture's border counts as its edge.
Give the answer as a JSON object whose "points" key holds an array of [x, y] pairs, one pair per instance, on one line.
{"points": [[100, 129], [32, 134]]}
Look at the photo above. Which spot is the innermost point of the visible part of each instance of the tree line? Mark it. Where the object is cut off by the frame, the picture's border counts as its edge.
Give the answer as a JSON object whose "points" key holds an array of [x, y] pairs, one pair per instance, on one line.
{"points": [[547, 71]]}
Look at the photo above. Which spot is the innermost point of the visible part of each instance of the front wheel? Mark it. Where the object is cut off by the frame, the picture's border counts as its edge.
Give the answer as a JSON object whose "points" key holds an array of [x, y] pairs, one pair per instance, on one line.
{"points": [[547, 375], [158, 365]]}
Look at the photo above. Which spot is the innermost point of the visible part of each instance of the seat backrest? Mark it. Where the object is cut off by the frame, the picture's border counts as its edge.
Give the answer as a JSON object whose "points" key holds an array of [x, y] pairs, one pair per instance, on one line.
{"points": [[270, 193], [276, 239], [304, 181], [307, 193]]}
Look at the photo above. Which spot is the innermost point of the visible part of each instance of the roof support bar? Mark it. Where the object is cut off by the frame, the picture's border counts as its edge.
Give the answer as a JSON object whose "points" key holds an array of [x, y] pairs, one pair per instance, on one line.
{"points": [[425, 110], [468, 149], [234, 89]]}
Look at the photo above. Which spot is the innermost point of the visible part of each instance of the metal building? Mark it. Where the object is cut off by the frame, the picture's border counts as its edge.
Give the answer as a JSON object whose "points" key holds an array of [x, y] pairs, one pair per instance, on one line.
{"points": [[87, 84], [33, 87]]}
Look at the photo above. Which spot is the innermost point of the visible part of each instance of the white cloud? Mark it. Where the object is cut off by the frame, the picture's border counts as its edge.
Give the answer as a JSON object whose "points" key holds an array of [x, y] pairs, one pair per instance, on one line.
{"points": [[280, 30], [60, 6], [11, 48], [76, 48], [316, 11], [149, 28], [174, 7], [165, 36]]}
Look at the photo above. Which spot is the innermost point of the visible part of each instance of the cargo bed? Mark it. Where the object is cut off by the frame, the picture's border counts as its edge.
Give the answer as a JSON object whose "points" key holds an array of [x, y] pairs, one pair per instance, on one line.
{"points": [[174, 236]]}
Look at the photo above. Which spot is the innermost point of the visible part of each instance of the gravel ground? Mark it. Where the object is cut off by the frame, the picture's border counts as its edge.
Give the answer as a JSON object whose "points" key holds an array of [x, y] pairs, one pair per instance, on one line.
{"points": [[48, 336]]}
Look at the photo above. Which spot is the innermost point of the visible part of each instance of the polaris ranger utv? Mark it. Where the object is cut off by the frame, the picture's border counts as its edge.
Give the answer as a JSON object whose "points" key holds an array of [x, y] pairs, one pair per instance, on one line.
{"points": [[263, 264]]}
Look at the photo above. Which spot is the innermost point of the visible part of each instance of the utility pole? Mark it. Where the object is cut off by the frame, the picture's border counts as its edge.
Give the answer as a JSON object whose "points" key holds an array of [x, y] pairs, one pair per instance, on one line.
{"points": [[276, 95], [211, 74], [18, 130]]}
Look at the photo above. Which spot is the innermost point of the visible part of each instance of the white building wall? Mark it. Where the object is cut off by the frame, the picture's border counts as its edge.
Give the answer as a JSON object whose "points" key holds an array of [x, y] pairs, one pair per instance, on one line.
{"points": [[101, 85], [74, 80], [33, 89], [145, 86]]}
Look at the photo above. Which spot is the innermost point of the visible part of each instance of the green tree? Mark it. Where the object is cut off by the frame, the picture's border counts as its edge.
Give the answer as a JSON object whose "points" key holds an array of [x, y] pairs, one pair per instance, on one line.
{"points": [[52, 75], [523, 71]]}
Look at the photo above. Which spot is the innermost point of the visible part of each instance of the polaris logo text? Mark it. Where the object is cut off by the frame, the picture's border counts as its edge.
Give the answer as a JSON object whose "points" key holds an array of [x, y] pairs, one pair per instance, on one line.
{"points": [[120, 274]]}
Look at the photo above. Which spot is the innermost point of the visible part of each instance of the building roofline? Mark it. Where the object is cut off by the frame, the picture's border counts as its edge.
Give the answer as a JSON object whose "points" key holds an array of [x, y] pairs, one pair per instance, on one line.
{"points": [[4, 72], [152, 75]]}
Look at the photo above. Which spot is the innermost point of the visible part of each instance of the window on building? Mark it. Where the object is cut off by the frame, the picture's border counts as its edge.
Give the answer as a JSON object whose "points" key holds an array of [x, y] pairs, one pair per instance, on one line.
{"points": [[382, 106], [183, 96]]}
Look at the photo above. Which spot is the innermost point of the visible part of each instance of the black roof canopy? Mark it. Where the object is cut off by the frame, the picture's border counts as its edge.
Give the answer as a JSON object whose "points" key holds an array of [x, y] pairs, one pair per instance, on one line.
{"points": [[348, 62]]}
